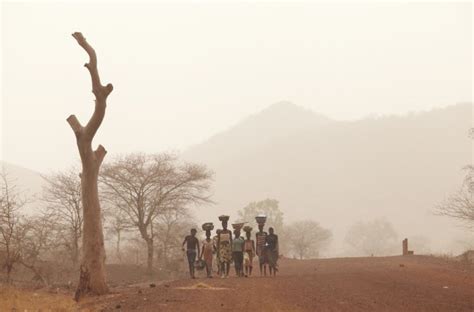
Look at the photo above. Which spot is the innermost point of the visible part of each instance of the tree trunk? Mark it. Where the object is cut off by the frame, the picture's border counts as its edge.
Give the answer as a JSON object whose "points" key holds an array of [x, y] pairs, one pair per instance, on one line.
{"points": [[149, 245], [92, 279], [117, 247], [75, 250], [148, 238], [9, 271], [165, 254]]}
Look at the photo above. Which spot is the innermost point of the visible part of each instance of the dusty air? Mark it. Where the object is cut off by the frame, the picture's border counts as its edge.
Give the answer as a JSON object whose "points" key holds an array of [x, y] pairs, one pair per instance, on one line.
{"points": [[236, 156]]}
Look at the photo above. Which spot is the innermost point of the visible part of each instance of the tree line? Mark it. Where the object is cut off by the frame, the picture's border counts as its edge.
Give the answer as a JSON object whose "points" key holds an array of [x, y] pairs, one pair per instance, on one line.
{"points": [[147, 202], [144, 197]]}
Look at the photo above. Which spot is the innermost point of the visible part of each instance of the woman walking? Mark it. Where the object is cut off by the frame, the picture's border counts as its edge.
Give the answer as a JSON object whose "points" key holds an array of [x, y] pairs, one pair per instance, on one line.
{"points": [[272, 251], [261, 238], [249, 251], [224, 247], [208, 248], [216, 259]]}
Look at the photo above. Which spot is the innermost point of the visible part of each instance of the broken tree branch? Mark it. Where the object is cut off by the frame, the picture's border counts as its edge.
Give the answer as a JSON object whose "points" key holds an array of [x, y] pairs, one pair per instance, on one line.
{"points": [[100, 154], [75, 125], [101, 92]]}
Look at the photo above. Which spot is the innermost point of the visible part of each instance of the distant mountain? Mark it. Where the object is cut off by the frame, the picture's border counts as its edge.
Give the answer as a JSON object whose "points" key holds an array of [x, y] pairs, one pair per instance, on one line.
{"points": [[280, 120], [396, 167], [335, 172], [26, 180]]}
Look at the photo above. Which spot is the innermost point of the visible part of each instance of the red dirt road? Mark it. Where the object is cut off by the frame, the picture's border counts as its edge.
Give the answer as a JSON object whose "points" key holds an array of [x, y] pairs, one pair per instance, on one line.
{"points": [[348, 284]]}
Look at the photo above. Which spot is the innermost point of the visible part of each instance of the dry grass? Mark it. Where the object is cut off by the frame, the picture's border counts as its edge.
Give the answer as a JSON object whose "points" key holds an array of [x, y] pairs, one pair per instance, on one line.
{"points": [[202, 286], [15, 299]]}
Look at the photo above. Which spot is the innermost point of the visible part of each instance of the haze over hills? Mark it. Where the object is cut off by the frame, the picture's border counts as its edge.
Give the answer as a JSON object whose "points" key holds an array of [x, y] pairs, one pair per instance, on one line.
{"points": [[26, 180], [28, 183], [336, 172], [393, 167]]}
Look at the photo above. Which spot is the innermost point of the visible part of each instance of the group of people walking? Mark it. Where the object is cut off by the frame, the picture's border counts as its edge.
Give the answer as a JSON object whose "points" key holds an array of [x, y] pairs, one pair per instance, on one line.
{"points": [[226, 249]]}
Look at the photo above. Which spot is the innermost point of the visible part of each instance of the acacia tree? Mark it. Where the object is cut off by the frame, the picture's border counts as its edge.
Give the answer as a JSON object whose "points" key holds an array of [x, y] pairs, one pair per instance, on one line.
{"points": [[460, 205], [63, 197], [268, 207], [92, 277], [307, 238], [144, 186]]}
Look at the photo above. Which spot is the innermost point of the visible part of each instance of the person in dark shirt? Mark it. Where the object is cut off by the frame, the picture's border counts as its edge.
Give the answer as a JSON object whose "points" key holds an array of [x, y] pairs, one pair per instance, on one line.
{"points": [[271, 242], [192, 250]]}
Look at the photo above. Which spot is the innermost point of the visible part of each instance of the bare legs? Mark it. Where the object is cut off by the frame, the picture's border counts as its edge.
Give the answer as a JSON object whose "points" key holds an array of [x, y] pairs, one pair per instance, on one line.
{"points": [[264, 267], [191, 270], [272, 270], [248, 270], [225, 268]]}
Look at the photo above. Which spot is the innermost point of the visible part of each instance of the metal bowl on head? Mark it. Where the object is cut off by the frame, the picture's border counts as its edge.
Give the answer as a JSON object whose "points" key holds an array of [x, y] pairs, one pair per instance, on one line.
{"points": [[261, 219]]}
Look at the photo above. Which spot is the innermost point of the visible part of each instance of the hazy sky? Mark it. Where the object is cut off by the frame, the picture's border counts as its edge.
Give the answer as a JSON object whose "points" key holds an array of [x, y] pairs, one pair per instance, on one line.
{"points": [[183, 72]]}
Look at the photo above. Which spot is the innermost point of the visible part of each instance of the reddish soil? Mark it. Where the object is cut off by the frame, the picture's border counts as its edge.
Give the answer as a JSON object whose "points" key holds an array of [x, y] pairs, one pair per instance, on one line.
{"points": [[414, 283]]}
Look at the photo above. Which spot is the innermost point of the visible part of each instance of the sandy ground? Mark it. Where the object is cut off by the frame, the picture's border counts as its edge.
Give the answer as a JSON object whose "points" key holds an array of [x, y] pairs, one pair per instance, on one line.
{"points": [[413, 283]]}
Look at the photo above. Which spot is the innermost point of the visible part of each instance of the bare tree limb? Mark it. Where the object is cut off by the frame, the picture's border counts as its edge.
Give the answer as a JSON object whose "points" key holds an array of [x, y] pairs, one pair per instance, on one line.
{"points": [[75, 125], [101, 92], [100, 154]]}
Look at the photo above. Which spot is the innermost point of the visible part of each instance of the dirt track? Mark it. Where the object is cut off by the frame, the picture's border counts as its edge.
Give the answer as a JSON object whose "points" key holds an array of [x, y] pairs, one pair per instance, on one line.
{"points": [[351, 284]]}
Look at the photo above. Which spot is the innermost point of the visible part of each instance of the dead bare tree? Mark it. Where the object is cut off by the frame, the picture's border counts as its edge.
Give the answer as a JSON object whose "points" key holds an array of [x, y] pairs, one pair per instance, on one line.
{"points": [[92, 271], [460, 205], [63, 197], [143, 186]]}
